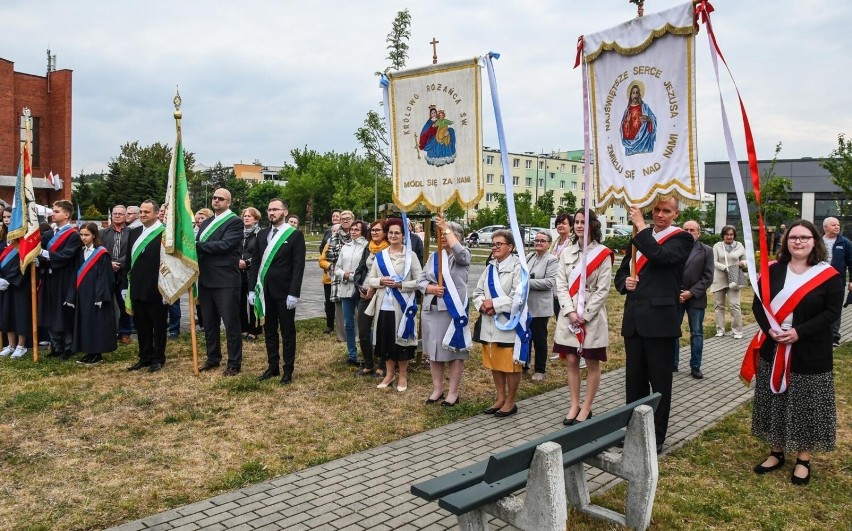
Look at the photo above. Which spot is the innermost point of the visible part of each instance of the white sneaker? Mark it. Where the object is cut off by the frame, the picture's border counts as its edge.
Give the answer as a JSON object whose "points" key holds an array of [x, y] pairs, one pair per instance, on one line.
{"points": [[720, 334], [582, 363], [6, 351], [738, 336], [554, 357], [19, 353], [537, 377]]}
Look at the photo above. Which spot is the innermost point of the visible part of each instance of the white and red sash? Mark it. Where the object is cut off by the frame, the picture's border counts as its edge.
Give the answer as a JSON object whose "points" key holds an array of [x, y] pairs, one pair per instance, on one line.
{"points": [[594, 258], [661, 237], [782, 305]]}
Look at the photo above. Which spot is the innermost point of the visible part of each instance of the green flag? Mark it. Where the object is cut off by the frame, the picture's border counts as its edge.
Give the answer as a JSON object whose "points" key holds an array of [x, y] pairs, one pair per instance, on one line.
{"points": [[178, 259]]}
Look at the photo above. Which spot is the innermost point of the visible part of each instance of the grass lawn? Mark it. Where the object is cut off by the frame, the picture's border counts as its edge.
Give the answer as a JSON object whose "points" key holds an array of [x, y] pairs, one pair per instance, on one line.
{"points": [[90, 447]]}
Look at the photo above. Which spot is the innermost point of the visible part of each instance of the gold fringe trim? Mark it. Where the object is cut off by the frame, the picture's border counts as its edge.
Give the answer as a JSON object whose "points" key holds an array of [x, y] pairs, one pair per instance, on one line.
{"points": [[421, 198], [653, 195], [655, 34]]}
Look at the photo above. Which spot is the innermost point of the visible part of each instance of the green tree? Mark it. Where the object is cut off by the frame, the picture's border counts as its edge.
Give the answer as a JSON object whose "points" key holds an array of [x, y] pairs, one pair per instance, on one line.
{"points": [[775, 204], [569, 206], [139, 173], [454, 212], [709, 218], [261, 194], [839, 165], [690, 213]]}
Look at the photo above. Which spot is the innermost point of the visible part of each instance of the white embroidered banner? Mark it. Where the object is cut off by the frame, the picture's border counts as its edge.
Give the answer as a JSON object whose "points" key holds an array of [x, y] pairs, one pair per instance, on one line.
{"points": [[436, 134], [641, 76]]}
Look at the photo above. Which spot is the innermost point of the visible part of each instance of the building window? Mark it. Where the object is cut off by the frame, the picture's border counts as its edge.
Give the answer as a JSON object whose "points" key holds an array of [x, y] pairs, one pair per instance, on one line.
{"points": [[502, 179], [562, 201], [489, 179], [574, 185], [583, 186], [541, 183], [489, 159], [552, 175], [516, 180], [541, 164], [561, 185], [573, 168], [528, 164], [562, 168], [516, 163], [35, 138], [489, 197], [529, 181]]}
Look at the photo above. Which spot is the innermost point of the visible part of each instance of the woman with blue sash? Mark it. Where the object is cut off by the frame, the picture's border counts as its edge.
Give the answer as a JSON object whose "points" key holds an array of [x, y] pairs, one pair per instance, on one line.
{"points": [[394, 277], [446, 332], [493, 298], [94, 318]]}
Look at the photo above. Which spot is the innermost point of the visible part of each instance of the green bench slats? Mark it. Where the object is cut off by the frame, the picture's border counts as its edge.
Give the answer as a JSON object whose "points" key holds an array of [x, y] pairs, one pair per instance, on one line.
{"points": [[456, 480]]}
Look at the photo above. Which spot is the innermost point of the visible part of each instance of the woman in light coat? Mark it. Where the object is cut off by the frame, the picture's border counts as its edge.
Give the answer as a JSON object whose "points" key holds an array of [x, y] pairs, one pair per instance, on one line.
{"points": [[543, 266], [498, 346], [726, 253], [592, 322], [436, 319], [389, 278], [344, 274]]}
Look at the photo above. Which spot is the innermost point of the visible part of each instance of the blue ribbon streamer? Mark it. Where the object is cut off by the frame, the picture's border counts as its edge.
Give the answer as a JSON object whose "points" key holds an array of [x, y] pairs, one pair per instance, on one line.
{"points": [[459, 320], [521, 330], [409, 312]]}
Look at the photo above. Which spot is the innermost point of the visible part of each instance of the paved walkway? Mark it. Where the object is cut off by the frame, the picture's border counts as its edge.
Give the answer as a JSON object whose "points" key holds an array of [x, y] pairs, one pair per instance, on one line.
{"points": [[332, 495]]}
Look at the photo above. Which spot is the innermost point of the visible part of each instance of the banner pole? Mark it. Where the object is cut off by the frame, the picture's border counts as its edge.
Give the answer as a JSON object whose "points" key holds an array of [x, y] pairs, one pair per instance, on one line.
{"points": [[192, 332], [633, 255], [439, 256], [34, 310]]}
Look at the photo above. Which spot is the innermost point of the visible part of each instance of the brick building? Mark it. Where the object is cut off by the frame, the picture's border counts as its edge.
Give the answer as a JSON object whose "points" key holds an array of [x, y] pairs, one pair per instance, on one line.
{"points": [[49, 100]]}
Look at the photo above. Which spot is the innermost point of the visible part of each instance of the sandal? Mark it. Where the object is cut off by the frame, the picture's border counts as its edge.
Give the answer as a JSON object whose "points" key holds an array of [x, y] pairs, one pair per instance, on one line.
{"points": [[796, 480], [760, 469]]}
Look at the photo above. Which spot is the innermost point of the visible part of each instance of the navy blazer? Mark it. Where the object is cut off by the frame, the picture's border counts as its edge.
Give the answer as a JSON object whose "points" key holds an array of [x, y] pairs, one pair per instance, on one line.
{"points": [[651, 310]]}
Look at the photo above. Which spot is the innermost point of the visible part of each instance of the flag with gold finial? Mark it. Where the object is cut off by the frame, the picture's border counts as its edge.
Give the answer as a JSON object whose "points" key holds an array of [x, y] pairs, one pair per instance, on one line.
{"points": [[23, 225], [178, 258]]}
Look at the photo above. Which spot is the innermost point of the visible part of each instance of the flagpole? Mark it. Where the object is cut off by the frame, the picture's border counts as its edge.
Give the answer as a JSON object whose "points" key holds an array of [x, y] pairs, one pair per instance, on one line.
{"points": [[192, 332], [34, 310]]}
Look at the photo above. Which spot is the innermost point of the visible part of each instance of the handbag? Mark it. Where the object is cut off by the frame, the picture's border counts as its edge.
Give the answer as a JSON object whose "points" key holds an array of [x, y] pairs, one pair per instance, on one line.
{"points": [[736, 277], [476, 336]]}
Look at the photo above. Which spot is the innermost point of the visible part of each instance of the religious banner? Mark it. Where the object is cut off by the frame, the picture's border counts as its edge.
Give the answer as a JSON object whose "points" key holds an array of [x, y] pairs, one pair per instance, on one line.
{"points": [[436, 135], [641, 80]]}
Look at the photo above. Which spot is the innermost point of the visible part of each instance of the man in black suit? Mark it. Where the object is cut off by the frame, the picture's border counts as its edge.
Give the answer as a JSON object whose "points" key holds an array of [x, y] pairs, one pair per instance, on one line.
{"points": [[650, 325], [146, 303], [277, 277], [697, 277], [218, 245]]}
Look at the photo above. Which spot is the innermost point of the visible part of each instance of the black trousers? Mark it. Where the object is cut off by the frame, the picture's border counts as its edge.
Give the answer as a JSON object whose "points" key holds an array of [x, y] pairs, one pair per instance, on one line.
{"points": [[150, 318], [329, 306], [278, 317], [248, 320], [365, 333], [538, 329], [222, 304], [650, 361], [62, 340]]}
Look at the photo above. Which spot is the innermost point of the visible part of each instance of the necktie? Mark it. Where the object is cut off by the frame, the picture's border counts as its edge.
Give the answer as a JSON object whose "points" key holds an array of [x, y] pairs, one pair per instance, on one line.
{"points": [[272, 234]]}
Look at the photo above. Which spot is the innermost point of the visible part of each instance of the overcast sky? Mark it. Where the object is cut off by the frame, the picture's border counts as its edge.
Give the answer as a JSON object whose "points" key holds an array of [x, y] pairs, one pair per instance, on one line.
{"points": [[260, 77]]}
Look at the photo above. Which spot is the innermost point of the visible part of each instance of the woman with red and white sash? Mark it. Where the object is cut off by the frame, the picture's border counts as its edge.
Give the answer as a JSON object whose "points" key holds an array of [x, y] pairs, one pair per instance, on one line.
{"points": [[583, 332], [94, 318], [794, 409]]}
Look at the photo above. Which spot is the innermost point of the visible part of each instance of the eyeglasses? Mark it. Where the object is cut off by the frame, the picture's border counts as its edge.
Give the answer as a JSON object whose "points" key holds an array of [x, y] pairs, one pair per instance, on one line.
{"points": [[498, 244], [218, 198], [800, 239], [274, 209], [541, 241], [394, 234], [376, 230]]}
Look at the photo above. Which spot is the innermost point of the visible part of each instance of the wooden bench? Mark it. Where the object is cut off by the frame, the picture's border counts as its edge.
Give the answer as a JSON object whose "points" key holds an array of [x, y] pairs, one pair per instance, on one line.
{"points": [[551, 468]]}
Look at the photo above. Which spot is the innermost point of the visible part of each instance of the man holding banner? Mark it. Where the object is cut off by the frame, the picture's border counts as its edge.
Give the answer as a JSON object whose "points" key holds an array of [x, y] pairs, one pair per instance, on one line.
{"points": [[276, 274], [653, 290]]}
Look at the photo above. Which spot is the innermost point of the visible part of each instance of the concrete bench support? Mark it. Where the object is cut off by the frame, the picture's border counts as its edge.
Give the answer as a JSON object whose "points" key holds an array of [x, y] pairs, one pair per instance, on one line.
{"points": [[637, 464]]}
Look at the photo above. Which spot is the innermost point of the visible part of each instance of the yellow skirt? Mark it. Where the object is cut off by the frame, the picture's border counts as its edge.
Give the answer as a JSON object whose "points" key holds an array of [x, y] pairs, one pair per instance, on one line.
{"points": [[499, 358]]}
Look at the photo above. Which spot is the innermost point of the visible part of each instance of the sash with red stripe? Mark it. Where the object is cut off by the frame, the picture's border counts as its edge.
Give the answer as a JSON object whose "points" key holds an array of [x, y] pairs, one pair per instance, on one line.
{"points": [[661, 237], [59, 238], [594, 259], [86, 266], [782, 305]]}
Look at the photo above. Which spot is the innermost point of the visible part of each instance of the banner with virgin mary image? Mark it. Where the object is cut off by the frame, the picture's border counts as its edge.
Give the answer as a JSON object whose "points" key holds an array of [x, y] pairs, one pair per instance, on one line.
{"points": [[641, 81], [436, 135]]}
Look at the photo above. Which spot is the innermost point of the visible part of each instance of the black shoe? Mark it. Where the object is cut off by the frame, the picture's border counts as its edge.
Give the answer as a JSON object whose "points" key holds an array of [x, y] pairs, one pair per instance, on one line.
{"points": [[91, 359], [674, 369], [267, 374], [174, 335], [500, 413], [155, 367], [696, 373], [230, 371], [760, 469], [451, 404], [577, 421], [287, 379], [54, 353], [138, 365], [490, 410], [208, 367], [353, 363], [432, 401], [328, 330], [659, 448], [569, 422], [796, 480], [84, 360], [67, 355]]}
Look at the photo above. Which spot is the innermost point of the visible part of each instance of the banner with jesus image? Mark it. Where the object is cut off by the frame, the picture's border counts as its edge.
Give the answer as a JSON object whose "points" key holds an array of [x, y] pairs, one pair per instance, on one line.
{"points": [[435, 126], [641, 78]]}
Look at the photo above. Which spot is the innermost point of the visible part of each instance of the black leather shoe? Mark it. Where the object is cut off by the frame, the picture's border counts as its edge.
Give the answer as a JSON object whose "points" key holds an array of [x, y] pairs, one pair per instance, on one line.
{"points": [[659, 448], [569, 422], [431, 401], [230, 371], [577, 421], [208, 367], [67, 355], [696, 373], [500, 413], [796, 480], [155, 367], [446, 403], [54, 353], [287, 379], [267, 374], [760, 469], [136, 366], [490, 410]]}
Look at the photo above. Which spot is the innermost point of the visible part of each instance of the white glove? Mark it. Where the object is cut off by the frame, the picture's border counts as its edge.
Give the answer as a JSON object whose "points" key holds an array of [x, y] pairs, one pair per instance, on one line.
{"points": [[292, 302], [4, 284], [36, 262], [70, 304], [98, 304], [123, 294], [46, 254], [251, 297]]}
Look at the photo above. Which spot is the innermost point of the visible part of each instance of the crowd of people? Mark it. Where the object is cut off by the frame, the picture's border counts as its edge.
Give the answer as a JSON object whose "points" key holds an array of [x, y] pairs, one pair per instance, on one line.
{"points": [[98, 285]]}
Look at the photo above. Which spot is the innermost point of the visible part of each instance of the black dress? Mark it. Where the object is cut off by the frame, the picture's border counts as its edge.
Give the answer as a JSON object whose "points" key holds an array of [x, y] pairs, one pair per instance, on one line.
{"points": [[15, 301], [248, 320], [94, 326]]}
